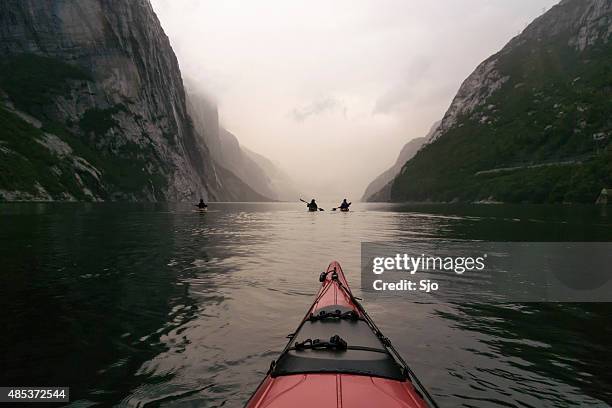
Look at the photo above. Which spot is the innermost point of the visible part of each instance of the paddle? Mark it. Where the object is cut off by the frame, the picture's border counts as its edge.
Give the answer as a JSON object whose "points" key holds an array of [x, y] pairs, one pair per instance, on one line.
{"points": [[320, 209]]}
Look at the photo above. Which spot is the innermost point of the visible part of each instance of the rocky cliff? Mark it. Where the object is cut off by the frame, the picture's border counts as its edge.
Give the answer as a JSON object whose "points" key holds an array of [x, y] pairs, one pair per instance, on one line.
{"points": [[532, 123], [93, 106]]}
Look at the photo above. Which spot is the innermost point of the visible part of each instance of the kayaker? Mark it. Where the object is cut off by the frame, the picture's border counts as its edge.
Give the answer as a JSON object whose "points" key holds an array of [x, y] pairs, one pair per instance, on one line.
{"points": [[201, 204], [312, 205], [345, 205]]}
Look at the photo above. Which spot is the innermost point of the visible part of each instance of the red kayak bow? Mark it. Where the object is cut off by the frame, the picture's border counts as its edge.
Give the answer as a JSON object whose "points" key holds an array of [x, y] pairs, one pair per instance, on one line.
{"points": [[337, 357]]}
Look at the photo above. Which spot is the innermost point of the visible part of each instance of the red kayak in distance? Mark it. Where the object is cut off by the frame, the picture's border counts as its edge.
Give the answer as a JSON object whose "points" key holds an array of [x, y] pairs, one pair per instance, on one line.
{"points": [[337, 357]]}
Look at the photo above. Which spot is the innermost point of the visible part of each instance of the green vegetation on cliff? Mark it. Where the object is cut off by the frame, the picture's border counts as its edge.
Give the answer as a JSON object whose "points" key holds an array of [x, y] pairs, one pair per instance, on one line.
{"points": [[99, 121], [32, 81], [543, 136], [26, 163]]}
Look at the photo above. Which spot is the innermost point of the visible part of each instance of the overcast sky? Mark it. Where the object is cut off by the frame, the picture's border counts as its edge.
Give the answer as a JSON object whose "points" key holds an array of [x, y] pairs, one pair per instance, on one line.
{"points": [[332, 90]]}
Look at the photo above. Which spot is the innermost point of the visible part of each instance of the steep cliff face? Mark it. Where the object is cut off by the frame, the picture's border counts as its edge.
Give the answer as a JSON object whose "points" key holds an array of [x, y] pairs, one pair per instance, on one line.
{"points": [[259, 173], [532, 123], [380, 188], [95, 83]]}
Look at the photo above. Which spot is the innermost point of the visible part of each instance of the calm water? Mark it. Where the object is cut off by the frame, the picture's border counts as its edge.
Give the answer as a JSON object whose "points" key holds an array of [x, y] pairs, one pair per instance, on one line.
{"points": [[155, 305]]}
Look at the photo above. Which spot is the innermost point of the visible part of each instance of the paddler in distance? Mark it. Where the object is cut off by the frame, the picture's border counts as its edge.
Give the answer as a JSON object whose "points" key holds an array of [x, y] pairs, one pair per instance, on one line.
{"points": [[312, 205], [201, 205], [345, 205]]}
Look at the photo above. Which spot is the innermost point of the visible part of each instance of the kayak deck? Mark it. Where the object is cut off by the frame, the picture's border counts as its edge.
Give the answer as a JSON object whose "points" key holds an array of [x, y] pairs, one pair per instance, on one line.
{"points": [[336, 359]]}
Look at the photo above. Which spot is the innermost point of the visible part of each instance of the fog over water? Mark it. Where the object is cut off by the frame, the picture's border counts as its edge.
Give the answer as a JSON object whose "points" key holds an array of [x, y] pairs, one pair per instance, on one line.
{"points": [[331, 91]]}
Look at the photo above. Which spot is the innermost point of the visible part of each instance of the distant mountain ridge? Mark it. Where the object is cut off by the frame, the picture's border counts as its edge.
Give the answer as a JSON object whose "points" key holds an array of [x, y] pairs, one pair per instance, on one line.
{"points": [[532, 123], [380, 188], [279, 180]]}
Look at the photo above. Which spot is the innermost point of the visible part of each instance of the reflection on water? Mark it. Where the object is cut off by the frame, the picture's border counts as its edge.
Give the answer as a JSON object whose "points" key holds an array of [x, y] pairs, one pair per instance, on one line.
{"points": [[153, 304]]}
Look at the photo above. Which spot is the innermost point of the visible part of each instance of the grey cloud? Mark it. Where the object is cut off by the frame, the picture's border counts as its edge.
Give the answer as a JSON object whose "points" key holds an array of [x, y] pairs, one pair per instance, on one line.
{"points": [[318, 107]]}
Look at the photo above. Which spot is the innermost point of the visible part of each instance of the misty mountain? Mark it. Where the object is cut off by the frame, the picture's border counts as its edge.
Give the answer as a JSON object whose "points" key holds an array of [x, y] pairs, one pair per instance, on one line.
{"points": [[258, 172], [380, 188], [532, 123], [92, 107], [279, 181]]}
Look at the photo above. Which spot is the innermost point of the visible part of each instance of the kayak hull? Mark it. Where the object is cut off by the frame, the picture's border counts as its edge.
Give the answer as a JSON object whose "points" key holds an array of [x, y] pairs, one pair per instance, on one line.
{"points": [[356, 378], [333, 391]]}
